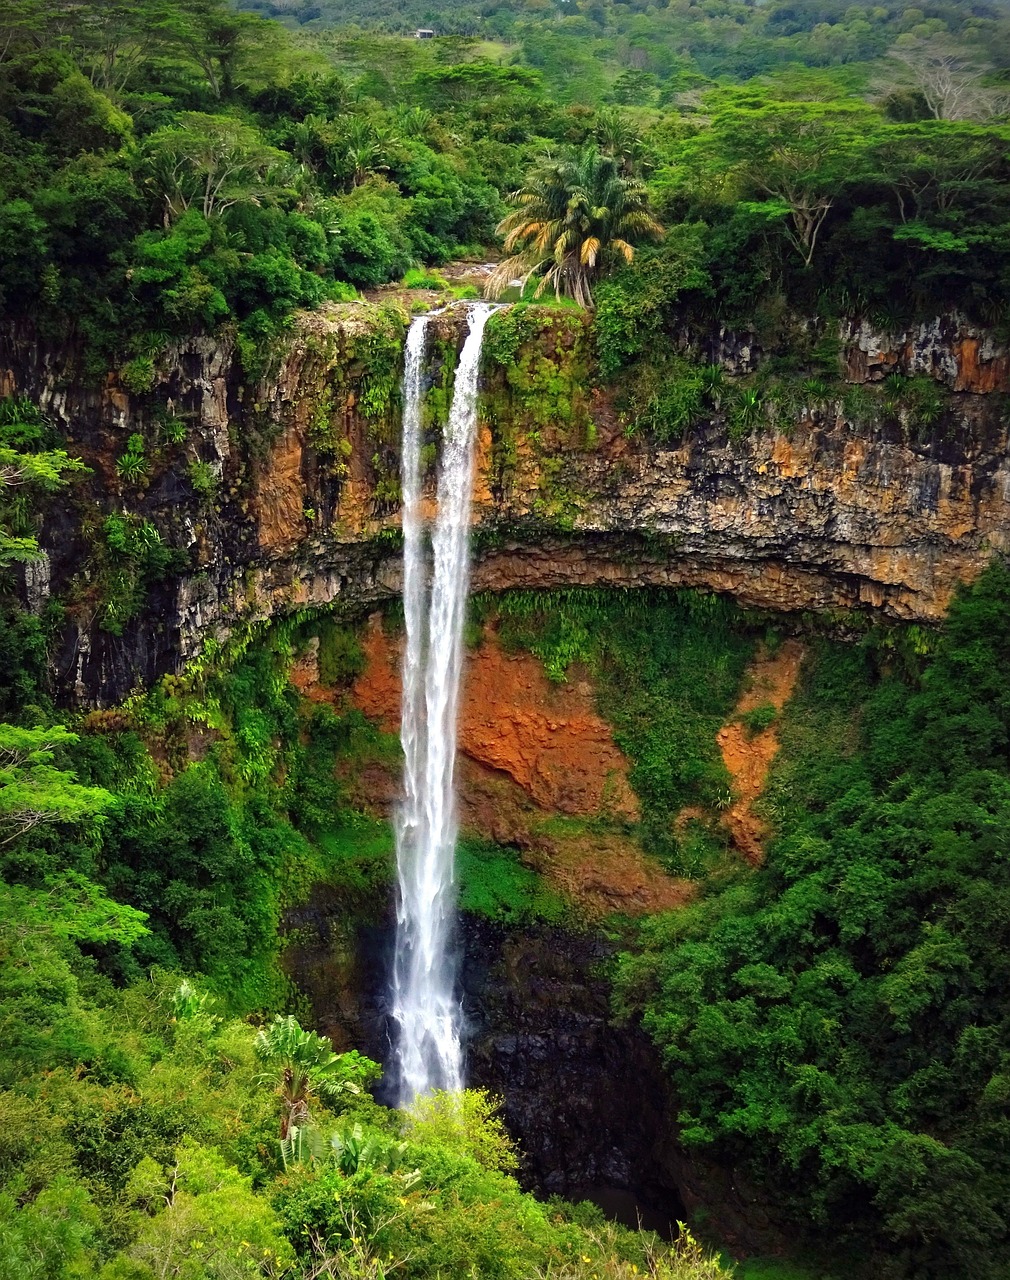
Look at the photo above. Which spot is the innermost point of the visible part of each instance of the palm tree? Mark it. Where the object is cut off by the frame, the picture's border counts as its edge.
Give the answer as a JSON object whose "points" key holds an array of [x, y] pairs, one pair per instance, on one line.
{"points": [[576, 218], [619, 138]]}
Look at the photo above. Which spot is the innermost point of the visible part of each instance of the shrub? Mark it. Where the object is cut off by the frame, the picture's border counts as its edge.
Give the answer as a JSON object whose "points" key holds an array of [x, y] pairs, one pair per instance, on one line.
{"points": [[469, 1123], [759, 719], [138, 375], [421, 278], [133, 465]]}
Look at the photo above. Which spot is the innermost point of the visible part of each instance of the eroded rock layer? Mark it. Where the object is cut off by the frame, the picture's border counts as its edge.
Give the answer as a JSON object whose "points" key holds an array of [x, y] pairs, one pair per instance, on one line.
{"points": [[278, 491]]}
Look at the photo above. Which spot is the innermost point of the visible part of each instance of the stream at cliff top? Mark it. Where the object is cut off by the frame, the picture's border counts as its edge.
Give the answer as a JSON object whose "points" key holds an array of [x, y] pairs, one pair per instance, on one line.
{"points": [[425, 1003]]}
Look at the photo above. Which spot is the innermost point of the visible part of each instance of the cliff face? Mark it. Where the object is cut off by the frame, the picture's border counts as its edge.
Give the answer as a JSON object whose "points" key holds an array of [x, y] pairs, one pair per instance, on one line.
{"points": [[276, 489], [540, 1033]]}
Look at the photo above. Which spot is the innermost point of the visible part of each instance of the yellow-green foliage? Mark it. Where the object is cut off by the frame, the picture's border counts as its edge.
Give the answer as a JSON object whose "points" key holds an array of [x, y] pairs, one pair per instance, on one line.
{"points": [[143, 1142], [199, 1217], [468, 1122], [439, 1206]]}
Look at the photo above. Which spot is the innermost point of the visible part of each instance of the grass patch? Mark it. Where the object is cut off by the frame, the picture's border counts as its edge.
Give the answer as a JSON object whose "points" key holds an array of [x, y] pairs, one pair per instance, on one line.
{"points": [[421, 278], [563, 825], [493, 883], [358, 855], [758, 719]]}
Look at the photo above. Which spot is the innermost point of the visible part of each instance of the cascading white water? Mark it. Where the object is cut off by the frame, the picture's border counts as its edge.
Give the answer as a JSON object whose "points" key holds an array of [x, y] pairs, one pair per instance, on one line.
{"points": [[424, 1001]]}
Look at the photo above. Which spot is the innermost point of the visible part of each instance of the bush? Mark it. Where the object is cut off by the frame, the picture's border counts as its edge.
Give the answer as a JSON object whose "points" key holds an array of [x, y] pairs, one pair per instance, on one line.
{"points": [[420, 278], [468, 1123], [759, 719], [634, 309]]}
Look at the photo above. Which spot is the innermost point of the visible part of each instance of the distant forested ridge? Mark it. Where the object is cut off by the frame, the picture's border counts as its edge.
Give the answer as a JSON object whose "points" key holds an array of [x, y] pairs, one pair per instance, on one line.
{"points": [[713, 37], [170, 166]]}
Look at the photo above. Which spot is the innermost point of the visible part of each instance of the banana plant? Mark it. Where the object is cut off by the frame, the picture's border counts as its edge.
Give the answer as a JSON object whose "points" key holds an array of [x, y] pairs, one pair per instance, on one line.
{"points": [[304, 1069]]}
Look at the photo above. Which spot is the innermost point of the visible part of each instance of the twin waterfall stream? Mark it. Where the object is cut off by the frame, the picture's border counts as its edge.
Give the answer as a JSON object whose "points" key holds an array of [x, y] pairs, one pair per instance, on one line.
{"points": [[425, 1006]]}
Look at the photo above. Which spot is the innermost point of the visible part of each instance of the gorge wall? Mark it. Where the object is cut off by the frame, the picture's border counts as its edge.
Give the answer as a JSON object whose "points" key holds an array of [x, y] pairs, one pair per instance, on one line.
{"points": [[273, 483], [541, 1034]]}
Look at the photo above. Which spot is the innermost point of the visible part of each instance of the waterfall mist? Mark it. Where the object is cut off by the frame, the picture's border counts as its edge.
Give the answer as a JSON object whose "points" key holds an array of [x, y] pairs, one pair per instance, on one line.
{"points": [[425, 1005]]}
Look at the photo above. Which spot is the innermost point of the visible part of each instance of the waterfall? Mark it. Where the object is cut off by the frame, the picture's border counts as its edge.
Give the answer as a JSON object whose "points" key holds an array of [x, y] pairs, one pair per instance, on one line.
{"points": [[425, 1007]]}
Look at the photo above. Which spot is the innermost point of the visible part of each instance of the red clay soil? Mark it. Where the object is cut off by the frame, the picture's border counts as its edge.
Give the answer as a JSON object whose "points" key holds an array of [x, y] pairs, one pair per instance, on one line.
{"points": [[772, 679], [530, 750], [547, 738]]}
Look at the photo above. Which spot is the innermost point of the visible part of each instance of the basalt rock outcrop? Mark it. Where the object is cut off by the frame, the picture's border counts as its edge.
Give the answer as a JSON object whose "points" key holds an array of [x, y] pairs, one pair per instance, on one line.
{"points": [[277, 488], [539, 1032], [585, 1094]]}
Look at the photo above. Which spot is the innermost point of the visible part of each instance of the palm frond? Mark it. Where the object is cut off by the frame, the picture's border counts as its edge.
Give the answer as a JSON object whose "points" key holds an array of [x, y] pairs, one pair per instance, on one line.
{"points": [[576, 213], [589, 250]]}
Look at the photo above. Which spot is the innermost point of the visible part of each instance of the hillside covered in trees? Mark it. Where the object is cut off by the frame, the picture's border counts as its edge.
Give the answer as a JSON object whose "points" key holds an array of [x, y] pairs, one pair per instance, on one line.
{"points": [[169, 165], [833, 1024]]}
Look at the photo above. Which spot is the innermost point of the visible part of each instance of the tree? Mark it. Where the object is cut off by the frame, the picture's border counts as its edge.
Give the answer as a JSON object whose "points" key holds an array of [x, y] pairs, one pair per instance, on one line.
{"points": [[474, 82], [211, 163], [309, 1069], [33, 791], [114, 39], [31, 25], [574, 220], [950, 80], [362, 150], [798, 155], [634, 87], [211, 35], [931, 163], [470, 1122], [202, 1219], [619, 138], [21, 427]]}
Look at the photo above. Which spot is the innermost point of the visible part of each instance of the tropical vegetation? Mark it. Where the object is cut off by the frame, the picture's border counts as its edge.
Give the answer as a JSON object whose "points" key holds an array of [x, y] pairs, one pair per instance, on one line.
{"points": [[833, 1024], [574, 220], [170, 166]]}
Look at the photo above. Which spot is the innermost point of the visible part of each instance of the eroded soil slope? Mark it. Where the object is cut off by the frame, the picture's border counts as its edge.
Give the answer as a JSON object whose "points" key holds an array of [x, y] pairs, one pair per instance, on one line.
{"points": [[748, 755], [539, 770], [547, 738]]}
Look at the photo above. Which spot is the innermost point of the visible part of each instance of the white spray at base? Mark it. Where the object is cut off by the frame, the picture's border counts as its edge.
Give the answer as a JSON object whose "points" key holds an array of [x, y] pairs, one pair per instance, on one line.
{"points": [[425, 1007]]}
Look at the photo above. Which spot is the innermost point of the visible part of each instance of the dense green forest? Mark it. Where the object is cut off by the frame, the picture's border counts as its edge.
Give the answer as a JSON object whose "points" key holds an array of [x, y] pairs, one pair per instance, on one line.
{"points": [[170, 165], [834, 1024]]}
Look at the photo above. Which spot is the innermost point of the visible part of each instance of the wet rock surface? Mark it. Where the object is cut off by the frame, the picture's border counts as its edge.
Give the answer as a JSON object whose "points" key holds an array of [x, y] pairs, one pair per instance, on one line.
{"points": [[816, 513], [585, 1097]]}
